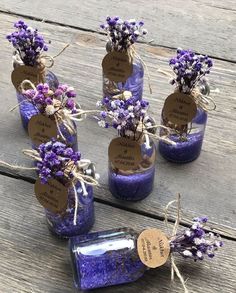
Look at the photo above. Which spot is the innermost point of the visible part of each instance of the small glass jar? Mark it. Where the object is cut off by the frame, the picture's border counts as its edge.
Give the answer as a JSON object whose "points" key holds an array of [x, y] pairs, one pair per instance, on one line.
{"points": [[188, 141], [134, 184], [63, 224], [134, 83], [105, 258]]}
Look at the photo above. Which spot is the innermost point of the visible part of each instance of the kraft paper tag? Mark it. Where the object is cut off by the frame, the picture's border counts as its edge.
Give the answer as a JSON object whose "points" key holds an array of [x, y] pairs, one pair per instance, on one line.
{"points": [[179, 108], [41, 129], [23, 72], [52, 195], [117, 66], [125, 154], [153, 248]]}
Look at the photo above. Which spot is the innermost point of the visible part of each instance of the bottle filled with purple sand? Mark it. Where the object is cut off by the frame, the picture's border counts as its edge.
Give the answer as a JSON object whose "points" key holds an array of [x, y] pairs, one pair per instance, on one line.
{"points": [[105, 258], [186, 115], [135, 183]]}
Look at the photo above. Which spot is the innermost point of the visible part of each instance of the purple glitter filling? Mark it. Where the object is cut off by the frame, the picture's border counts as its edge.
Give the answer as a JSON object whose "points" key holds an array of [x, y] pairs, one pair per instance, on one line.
{"points": [[131, 187], [63, 226], [105, 258]]}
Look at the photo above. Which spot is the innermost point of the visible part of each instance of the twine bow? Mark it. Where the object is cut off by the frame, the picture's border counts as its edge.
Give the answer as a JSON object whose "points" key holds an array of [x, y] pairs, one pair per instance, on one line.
{"points": [[174, 268]]}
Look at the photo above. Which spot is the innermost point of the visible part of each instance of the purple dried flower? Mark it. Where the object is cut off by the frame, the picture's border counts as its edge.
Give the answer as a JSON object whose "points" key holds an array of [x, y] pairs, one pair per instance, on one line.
{"points": [[123, 34], [195, 242], [122, 114], [27, 42], [55, 156], [43, 97], [189, 69]]}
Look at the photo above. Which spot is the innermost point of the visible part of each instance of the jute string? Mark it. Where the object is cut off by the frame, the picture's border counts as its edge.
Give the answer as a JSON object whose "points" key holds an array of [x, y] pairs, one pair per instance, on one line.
{"points": [[174, 268], [133, 52]]}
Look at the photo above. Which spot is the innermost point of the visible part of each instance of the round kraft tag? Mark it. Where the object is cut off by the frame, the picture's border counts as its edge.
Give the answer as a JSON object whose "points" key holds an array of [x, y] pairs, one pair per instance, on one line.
{"points": [[180, 108], [52, 195], [41, 129], [117, 66], [124, 154], [23, 72], [153, 247]]}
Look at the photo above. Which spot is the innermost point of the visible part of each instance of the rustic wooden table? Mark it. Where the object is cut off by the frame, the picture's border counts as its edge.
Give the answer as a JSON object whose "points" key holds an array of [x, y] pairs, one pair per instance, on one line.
{"points": [[31, 259]]}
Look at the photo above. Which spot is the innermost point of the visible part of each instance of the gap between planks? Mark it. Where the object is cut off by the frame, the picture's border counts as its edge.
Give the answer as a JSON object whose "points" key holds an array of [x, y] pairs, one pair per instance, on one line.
{"points": [[51, 22], [227, 234]]}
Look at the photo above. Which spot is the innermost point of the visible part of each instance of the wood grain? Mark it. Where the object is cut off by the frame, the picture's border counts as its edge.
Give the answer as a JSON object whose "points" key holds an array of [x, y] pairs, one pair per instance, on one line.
{"points": [[205, 26], [207, 185], [34, 261]]}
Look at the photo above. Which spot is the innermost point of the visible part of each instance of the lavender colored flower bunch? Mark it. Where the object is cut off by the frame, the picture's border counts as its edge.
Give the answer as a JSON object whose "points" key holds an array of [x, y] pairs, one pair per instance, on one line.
{"points": [[46, 100], [122, 114], [195, 242], [27, 42], [189, 68], [55, 157], [123, 34]]}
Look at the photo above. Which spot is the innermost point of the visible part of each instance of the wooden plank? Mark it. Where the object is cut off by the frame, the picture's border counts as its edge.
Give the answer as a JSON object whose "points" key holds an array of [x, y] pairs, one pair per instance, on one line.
{"points": [[201, 25], [206, 187], [32, 260]]}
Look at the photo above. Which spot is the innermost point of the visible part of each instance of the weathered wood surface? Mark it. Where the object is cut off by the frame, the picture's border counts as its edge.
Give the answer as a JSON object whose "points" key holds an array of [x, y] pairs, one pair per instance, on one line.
{"points": [[207, 185], [206, 26], [34, 261]]}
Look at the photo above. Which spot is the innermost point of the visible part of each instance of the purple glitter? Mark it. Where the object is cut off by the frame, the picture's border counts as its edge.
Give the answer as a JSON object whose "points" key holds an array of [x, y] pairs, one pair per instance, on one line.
{"points": [[188, 150], [105, 258], [63, 226], [131, 187]]}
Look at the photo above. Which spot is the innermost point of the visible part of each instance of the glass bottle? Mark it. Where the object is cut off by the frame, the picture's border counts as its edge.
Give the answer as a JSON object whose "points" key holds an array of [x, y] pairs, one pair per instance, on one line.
{"points": [[134, 83], [63, 224], [105, 258], [134, 184], [188, 143], [188, 138]]}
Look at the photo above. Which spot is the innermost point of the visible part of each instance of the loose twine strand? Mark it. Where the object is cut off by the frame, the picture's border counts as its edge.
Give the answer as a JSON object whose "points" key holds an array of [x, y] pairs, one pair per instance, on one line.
{"points": [[174, 268], [134, 53]]}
